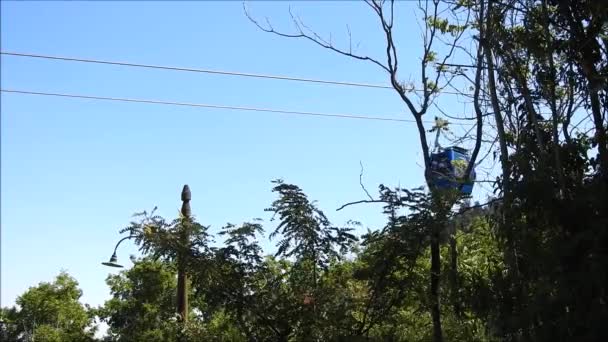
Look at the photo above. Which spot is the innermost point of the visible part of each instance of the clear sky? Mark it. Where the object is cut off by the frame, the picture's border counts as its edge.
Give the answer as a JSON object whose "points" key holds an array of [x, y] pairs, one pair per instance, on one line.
{"points": [[74, 171]]}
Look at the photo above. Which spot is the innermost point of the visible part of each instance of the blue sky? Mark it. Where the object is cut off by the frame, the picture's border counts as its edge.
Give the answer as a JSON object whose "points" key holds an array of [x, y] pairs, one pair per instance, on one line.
{"points": [[74, 171]]}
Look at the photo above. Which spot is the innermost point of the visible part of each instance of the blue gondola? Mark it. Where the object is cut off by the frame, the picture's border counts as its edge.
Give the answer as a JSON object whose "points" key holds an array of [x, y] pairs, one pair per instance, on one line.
{"points": [[448, 167]]}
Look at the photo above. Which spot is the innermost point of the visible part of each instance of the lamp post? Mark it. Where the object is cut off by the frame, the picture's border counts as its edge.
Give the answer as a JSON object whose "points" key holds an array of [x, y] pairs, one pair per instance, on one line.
{"points": [[182, 276]]}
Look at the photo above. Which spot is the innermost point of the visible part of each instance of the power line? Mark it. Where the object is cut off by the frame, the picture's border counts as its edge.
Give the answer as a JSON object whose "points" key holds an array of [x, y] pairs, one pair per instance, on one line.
{"points": [[205, 105], [205, 71], [209, 71]]}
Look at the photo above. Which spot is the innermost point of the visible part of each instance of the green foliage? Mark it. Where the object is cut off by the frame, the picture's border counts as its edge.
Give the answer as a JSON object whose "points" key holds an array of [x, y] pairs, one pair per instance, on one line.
{"points": [[306, 232], [431, 56], [444, 26], [308, 236], [143, 302], [168, 240], [432, 87], [220, 328], [552, 221], [49, 312], [552, 253]]}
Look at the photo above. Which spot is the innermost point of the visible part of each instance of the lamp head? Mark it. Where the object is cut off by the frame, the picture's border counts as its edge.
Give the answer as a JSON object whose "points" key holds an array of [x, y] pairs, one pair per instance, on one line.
{"points": [[113, 262]]}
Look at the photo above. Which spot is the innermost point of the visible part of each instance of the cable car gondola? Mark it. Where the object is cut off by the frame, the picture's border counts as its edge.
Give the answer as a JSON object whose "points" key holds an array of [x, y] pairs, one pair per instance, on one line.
{"points": [[448, 168], [449, 165]]}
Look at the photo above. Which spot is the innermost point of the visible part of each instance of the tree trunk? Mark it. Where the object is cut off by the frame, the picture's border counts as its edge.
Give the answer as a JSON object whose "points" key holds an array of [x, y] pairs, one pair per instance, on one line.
{"points": [[442, 204], [435, 273], [600, 132], [454, 274], [500, 126]]}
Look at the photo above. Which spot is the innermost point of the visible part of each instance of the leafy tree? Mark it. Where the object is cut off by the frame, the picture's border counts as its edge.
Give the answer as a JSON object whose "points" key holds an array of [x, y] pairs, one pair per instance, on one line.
{"points": [[308, 236], [143, 308], [234, 288], [262, 304], [49, 312], [306, 232], [389, 257], [143, 303], [550, 60]]}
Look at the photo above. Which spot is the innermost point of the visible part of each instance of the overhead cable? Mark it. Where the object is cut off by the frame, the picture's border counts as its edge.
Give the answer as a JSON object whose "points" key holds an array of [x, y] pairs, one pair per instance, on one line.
{"points": [[214, 106], [209, 71]]}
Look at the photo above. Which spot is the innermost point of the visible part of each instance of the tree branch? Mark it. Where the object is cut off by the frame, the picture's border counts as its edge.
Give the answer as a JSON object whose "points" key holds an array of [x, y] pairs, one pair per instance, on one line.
{"points": [[361, 182], [361, 201], [494, 200], [478, 113], [315, 38]]}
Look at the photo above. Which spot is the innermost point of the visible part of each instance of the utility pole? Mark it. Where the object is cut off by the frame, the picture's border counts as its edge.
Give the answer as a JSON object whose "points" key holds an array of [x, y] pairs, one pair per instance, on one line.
{"points": [[182, 276]]}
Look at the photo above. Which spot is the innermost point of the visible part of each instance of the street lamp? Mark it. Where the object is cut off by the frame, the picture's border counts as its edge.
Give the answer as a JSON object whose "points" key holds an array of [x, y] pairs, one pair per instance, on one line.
{"points": [[113, 262], [182, 276]]}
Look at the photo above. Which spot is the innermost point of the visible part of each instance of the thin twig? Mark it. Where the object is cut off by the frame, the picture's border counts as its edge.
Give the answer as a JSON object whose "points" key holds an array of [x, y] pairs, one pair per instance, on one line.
{"points": [[361, 182], [316, 39], [361, 201], [494, 200]]}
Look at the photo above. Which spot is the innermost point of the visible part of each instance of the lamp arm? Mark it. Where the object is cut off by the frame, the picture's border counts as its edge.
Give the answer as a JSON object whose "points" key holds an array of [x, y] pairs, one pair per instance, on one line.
{"points": [[121, 240]]}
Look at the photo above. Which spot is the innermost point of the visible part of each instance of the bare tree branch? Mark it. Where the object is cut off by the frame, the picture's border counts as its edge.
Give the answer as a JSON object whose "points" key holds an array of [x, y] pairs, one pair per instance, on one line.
{"points": [[494, 98], [359, 202], [391, 54], [450, 53], [552, 103], [494, 200], [493, 143], [350, 40], [361, 182], [428, 44], [315, 39], [476, 105]]}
